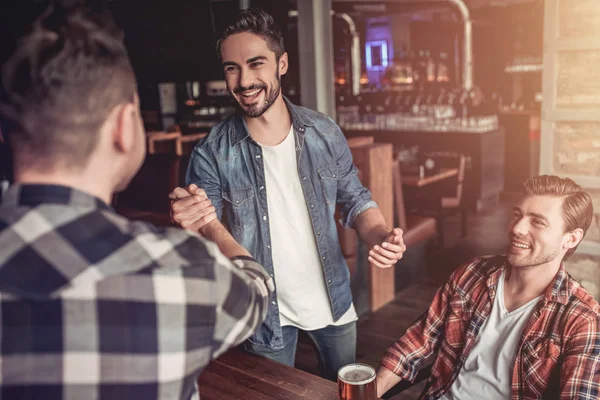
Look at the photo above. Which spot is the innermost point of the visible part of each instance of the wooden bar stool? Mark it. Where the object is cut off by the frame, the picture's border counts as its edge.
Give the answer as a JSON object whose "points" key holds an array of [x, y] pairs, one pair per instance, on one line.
{"points": [[163, 142]]}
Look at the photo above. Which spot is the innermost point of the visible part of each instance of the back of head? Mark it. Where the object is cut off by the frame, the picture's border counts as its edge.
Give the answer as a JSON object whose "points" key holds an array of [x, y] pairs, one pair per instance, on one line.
{"points": [[577, 208], [60, 85], [258, 22]]}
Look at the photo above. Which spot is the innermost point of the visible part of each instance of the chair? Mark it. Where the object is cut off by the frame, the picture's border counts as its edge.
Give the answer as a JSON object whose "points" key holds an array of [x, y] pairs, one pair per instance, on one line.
{"points": [[160, 142], [357, 141], [416, 228], [451, 200], [186, 143]]}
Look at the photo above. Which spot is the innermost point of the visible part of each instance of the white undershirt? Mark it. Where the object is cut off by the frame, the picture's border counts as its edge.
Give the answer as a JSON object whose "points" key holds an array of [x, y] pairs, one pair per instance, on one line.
{"points": [[487, 372], [299, 278]]}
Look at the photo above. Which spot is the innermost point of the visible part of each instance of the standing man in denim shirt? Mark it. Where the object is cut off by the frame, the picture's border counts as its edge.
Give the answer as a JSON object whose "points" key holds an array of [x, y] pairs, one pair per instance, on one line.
{"points": [[276, 172]]}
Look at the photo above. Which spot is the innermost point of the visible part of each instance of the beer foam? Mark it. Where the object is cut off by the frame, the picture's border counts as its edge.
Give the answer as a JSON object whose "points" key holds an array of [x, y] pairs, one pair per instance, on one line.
{"points": [[357, 374]]}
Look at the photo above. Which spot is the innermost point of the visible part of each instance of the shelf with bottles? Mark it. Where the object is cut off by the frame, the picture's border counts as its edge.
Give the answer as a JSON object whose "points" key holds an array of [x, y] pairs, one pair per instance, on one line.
{"points": [[432, 108], [415, 69]]}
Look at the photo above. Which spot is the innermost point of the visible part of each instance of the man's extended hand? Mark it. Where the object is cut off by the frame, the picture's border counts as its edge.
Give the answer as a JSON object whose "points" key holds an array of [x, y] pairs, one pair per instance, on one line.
{"points": [[191, 209], [387, 253]]}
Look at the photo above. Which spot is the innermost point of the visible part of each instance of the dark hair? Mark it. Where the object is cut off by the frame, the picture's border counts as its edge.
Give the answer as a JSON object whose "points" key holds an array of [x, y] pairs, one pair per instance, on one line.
{"points": [[259, 22], [60, 85], [577, 208]]}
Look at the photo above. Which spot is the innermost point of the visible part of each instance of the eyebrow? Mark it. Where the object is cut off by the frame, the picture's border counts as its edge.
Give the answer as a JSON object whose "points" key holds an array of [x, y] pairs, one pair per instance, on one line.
{"points": [[257, 58], [248, 61], [531, 214], [539, 216]]}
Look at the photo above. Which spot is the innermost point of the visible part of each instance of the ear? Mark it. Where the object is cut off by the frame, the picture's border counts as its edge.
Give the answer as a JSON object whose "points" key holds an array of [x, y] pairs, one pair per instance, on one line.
{"points": [[572, 239], [283, 64], [124, 128]]}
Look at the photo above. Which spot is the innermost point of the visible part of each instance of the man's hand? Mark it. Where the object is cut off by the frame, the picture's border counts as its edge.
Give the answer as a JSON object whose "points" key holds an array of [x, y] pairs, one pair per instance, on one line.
{"points": [[387, 253], [191, 209], [385, 380]]}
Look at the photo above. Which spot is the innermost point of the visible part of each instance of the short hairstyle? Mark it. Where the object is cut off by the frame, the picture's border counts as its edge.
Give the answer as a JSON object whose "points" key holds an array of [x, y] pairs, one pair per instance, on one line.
{"points": [[60, 85], [577, 208], [258, 22]]}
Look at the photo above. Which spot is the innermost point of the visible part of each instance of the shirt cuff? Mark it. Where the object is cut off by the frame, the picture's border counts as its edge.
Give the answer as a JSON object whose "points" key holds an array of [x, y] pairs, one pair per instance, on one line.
{"points": [[399, 367], [359, 208], [243, 258]]}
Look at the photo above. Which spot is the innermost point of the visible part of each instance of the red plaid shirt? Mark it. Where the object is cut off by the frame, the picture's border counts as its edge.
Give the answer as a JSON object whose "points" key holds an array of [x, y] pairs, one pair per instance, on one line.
{"points": [[558, 354]]}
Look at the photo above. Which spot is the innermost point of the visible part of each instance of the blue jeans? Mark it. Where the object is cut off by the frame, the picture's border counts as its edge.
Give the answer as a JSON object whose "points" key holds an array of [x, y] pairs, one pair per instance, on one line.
{"points": [[336, 346]]}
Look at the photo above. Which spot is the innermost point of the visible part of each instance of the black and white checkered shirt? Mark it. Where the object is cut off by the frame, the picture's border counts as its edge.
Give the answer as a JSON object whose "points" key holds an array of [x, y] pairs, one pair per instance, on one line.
{"points": [[93, 306]]}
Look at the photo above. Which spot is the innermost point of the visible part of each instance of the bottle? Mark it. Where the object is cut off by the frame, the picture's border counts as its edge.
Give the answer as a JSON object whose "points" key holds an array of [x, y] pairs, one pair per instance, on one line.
{"points": [[419, 69], [443, 75], [430, 67]]}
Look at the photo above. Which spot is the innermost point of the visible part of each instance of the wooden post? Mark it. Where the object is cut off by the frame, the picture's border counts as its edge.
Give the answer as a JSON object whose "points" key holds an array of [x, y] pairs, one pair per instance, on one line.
{"points": [[375, 163]]}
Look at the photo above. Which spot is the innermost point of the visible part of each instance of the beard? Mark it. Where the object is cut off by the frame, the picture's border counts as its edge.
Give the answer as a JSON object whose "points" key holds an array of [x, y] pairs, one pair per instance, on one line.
{"points": [[531, 260], [254, 110]]}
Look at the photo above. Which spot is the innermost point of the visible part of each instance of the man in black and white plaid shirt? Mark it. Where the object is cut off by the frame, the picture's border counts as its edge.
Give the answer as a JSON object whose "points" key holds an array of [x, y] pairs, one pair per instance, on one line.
{"points": [[93, 306]]}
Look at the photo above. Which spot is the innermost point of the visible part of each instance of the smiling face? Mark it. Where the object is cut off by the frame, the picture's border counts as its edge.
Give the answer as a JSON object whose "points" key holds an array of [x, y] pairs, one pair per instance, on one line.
{"points": [[536, 232], [252, 72]]}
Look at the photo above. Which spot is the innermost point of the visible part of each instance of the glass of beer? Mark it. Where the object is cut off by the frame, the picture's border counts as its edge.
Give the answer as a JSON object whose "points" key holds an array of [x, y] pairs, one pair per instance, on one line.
{"points": [[357, 382]]}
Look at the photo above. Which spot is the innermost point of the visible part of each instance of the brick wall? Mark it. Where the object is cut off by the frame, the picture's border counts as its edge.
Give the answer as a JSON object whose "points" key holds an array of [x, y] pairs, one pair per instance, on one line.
{"points": [[576, 141], [586, 269]]}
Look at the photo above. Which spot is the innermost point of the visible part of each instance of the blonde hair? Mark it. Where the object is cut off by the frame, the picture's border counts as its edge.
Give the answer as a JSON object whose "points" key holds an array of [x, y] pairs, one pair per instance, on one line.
{"points": [[577, 208]]}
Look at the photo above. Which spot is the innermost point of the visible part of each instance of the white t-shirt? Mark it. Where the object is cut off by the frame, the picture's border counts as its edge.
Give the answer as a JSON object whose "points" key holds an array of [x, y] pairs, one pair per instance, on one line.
{"points": [[299, 277], [487, 372]]}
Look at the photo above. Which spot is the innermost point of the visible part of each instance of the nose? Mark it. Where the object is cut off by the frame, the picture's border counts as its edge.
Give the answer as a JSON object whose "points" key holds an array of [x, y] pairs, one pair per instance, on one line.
{"points": [[520, 227], [246, 78]]}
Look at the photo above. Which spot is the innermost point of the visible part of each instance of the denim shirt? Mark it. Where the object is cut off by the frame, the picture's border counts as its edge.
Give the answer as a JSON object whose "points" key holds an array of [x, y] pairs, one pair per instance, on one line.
{"points": [[228, 165]]}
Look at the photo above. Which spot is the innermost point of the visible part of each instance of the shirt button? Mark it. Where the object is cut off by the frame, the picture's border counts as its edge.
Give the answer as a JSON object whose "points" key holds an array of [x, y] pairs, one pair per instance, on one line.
{"points": [[258, 156], [271, 275], [318, 233], [264, 217], [274, 303], [268, 247], [312, 206], [334, 175], [329, 281], [303, 178], [262, 187], [297, 148], [324, 258]]}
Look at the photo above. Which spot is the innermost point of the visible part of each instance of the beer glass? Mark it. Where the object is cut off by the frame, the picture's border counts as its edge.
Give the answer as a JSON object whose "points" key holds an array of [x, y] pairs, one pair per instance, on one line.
{"points": [[357, 382]]}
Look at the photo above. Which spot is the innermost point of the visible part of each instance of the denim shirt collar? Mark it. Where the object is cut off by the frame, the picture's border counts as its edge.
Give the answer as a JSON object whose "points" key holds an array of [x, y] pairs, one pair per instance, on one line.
{"points": [[300, 120]]}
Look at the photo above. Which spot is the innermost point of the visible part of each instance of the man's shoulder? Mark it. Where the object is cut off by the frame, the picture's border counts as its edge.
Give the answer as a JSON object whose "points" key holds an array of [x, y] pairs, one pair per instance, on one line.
{"points": [[317, 119], [581, 302], [480, 267], [315, 116], [159, 247], [217, 135]]}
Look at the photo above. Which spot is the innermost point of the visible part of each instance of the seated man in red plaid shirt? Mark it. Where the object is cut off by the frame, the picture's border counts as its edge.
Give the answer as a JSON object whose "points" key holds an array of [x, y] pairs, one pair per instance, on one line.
{"points": [[516, 326]]}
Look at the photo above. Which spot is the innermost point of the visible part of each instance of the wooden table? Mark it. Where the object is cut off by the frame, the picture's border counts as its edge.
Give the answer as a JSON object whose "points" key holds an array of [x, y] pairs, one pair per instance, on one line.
{"points": [[239, 375], [417, 181]]}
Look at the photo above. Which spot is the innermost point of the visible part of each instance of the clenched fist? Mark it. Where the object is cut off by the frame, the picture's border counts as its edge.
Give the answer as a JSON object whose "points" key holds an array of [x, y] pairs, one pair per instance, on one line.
{"points": [[191, 209]]}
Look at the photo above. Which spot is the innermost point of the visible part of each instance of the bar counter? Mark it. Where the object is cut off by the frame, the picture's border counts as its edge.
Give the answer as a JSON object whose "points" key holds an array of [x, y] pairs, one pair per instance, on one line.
{"points": [[484, 175]]}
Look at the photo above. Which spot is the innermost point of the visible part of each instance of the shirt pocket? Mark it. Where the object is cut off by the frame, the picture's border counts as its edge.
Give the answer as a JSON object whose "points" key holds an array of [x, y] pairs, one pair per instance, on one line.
{"points": [[328, 176], [240, 208], [540, 357], [458, 320]]}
